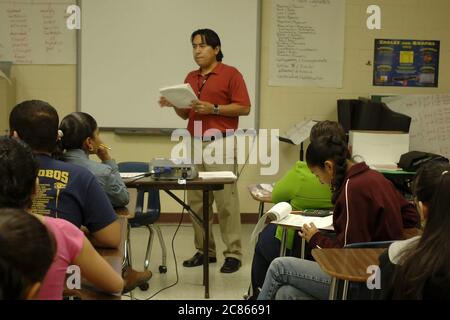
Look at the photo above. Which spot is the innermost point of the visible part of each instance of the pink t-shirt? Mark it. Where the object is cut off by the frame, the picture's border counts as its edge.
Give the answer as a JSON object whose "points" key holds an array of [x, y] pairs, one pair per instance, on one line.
{"points": [[69, 240]]}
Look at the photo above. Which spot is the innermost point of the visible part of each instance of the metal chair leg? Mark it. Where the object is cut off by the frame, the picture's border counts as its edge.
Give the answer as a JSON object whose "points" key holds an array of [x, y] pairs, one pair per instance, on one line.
{"points": [[333, 289], [345, 290], [149, 247], [128, 247], [162, 244]]}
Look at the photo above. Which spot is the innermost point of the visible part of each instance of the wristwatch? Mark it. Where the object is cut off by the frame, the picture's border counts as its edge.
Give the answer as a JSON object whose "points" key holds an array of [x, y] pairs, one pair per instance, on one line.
{"points": [[216, 109]]}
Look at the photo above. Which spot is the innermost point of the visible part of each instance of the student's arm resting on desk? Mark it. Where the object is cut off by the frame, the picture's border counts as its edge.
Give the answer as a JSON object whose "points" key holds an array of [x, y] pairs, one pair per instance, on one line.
{"points": [[113, 184], [100, 218], [97, 271], [108, 237]]}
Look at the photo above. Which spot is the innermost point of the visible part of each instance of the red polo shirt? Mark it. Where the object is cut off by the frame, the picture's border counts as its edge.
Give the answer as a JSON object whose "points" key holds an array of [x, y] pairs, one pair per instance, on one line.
{"points": [[222, 86]]}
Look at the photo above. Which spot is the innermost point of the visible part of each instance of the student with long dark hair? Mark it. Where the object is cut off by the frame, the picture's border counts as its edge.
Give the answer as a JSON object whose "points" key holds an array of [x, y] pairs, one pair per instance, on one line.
{"points": [[81, 138], [367, 207], [66, 190], [302, 190], [419, 268], [26, 252], [19, 170]]}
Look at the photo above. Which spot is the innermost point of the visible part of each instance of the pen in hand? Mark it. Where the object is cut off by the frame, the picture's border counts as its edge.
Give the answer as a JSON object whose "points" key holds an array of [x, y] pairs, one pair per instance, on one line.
{"points": [[105, 146]]}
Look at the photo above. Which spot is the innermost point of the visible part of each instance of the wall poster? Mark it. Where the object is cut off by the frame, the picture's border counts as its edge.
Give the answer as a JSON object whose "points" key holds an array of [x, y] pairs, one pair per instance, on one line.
{"points": [[406, 63]]}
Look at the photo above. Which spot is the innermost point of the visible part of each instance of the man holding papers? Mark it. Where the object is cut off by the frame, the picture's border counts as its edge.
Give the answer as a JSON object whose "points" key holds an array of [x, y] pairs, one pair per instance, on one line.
{"points": [[221, 98]]}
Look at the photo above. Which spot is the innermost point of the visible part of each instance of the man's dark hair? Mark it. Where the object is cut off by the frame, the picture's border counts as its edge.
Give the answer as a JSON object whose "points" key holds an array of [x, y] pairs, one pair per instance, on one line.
{"points": [[18, 169], [76, 128], [211, 38], [36, 123]]}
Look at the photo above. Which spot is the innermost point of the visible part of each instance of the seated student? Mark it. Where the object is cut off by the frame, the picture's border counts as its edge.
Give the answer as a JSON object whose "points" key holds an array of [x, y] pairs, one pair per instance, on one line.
{"points": [[302, 190], [81, 138], [66, 190], [18, 169], [26, 252], [419, 268], [367, 207]]}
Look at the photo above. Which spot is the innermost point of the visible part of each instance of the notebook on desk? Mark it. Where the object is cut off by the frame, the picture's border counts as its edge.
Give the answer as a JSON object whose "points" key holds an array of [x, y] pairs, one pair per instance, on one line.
{"points": [[281, 214]]}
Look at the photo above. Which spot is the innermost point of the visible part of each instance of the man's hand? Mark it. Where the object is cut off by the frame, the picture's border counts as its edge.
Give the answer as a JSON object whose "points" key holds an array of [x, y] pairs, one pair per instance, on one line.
{"points": [[307, 232], [163, 102], [203, 107]]}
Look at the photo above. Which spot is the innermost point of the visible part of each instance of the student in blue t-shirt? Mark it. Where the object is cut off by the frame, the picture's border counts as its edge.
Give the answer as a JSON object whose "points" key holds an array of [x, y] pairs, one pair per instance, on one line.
{"points": [[65, 190]]}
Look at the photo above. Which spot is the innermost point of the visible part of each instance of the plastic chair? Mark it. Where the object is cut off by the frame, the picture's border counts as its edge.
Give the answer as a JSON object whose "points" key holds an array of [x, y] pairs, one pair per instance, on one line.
{"points": [[146, 214]]}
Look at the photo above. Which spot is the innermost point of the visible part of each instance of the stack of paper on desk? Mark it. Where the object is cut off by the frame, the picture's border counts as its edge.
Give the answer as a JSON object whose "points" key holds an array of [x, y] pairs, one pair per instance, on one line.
{"points": [[216, 175], [181, 96], [125, 175]]}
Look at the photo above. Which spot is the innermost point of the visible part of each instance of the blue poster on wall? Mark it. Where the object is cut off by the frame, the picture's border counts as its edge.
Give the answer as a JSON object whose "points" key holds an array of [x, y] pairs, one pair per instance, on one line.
{"points": [[406, 63]]}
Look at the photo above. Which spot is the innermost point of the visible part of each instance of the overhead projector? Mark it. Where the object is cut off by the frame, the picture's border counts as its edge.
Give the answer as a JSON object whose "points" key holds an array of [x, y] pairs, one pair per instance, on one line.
{"points": [[172, 169]]}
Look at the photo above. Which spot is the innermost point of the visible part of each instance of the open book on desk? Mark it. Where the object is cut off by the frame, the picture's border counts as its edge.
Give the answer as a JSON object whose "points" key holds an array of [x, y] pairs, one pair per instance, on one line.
{"points": [[181, 96], [281, 214]]}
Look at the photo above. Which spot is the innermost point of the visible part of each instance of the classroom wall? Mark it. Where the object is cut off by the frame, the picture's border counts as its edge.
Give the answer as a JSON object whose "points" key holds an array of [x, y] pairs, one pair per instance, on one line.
{"points": [[280, 107]]}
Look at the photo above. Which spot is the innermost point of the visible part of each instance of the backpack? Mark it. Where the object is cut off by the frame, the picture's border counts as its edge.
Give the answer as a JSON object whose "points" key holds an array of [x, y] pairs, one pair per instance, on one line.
{"points": [[413, 160]]}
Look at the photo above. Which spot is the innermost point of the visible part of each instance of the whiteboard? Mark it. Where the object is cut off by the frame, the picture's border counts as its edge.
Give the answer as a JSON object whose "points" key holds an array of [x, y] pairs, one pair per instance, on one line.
{"points": [[35, 32], [430, 121], [130, 49]]}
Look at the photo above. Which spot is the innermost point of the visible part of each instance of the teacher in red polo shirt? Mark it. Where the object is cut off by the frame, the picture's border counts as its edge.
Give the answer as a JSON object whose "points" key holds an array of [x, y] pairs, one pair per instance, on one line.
{"points": [[222, 99]]}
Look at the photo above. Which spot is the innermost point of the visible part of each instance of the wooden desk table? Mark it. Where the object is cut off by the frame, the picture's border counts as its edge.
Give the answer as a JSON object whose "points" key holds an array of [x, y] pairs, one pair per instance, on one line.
{"points": [[347, 265], [206, 185]]}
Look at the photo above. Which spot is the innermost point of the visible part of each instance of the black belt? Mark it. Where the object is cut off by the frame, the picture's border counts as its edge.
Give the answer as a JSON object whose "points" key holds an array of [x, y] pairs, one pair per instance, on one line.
{"points": [[217, 136]]}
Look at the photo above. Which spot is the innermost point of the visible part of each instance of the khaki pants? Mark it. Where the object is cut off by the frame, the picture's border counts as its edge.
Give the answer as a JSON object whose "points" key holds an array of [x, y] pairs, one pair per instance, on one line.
{"points": [[227, 202]]}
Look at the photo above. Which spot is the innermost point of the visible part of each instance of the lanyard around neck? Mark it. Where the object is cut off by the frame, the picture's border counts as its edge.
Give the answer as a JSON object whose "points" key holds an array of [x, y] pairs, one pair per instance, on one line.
{"points": [[199, 91]]}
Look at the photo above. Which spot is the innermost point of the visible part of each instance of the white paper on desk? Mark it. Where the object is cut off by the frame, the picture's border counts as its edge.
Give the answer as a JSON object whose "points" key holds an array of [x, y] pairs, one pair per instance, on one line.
{"points": [[125, 175], [216, 175], [281, 214], [181, 96], [297, 220]]}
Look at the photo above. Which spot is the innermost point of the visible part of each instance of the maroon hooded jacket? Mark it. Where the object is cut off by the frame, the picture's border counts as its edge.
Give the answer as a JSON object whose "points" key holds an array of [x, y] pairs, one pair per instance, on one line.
{"points": [[368, 208]]}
